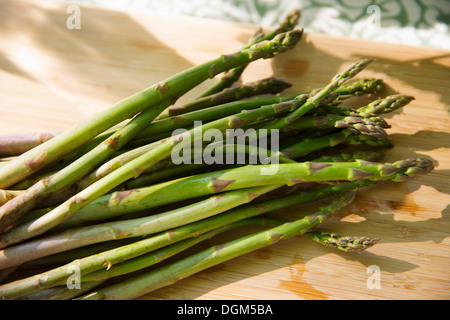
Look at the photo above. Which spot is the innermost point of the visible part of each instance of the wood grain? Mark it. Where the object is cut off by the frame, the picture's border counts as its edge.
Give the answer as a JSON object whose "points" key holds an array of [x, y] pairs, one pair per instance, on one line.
{"points": [[52, 77]]}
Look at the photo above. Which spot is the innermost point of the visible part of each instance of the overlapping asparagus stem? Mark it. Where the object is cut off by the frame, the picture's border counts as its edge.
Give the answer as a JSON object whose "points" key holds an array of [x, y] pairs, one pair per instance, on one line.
{"points": [[280, 43], [383, 106], [147, 260], [375, 108], [361, 87], [112, 200], [334, 121], [376, 138], [314, 101], [213, 113], [289, 23], [111, 257], [130, 228], [152, 280], [266, 86], [65, 177], [63, 143], [209, 114], [325, 94], [62, 292], [226, 180], [367, 155]]}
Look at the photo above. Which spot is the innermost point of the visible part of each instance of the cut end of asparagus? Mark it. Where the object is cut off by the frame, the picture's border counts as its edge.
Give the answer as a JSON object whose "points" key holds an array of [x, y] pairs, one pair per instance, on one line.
{"points": [[344, 243]]}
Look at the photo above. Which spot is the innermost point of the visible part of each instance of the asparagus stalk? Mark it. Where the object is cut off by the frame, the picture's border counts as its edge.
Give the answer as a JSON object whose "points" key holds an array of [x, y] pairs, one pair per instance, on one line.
{"points": [[213, 113], [139, 165], [368, 125], [93, 279], [111, 257], [289, 23], [280, 43], [62, 292], [51, 150], [65, 177], [152, 258], [265, 86], [375, 108], [376, 138], [16, 144], [360, 87], [386, 105], [129, 228], [121, 202], [172, 123], [367, 155], [152, 280], [209, 114], [173, 171], [199, 185], [314, 101]]}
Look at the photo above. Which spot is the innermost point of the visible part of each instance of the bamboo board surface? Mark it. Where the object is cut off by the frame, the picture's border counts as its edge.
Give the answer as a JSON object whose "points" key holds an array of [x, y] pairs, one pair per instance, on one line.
{"points": [[52, 77]]}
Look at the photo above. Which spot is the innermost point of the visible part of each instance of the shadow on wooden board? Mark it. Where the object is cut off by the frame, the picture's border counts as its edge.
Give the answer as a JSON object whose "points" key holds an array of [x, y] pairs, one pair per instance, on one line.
{"points": [[110, 57]]}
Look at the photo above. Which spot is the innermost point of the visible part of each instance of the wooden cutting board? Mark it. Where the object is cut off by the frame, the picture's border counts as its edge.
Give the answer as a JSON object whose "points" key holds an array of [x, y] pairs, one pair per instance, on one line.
{"points": [[52, 77]]}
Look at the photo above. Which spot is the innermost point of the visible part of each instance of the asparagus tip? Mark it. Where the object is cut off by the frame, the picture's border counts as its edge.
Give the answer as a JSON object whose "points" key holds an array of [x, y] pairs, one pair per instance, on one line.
{"points": [[344, 243]]}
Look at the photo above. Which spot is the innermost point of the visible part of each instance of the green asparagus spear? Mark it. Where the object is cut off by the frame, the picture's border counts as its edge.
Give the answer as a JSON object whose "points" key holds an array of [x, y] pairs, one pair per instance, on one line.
{"points": [[280, 43], [289, 23], [375, 108], [367, 155], [266, 86], [111, 257], [376, 138], [314, 101], [137, 166], [147, 260], [121, 202], [139, 285], [67, 141]]}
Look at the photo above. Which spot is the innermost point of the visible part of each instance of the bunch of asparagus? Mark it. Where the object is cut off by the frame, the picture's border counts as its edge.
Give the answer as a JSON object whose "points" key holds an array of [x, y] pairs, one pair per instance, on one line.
{"points": [[102, 205]]}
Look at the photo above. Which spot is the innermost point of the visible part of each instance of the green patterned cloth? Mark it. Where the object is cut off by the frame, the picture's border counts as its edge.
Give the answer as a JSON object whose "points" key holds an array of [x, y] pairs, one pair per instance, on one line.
{"points": [[412, 22]]}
